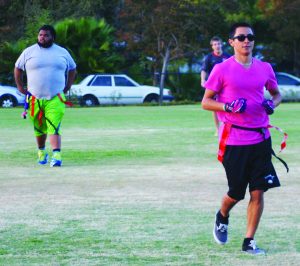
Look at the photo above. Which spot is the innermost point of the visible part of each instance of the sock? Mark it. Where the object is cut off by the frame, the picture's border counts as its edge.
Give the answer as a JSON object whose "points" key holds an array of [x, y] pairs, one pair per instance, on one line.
{"points": [[42, 148], [56, 150], [221, 218]]}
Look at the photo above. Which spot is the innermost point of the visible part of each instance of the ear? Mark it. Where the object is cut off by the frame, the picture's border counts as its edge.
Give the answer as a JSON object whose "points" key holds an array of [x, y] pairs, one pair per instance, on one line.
{"points": [[230, 41]]}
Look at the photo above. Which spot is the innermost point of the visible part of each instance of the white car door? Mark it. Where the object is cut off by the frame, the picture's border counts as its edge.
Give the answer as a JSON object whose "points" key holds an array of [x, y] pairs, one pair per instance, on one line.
{"points": [[129, 91], [288, 87], [102, 87]]}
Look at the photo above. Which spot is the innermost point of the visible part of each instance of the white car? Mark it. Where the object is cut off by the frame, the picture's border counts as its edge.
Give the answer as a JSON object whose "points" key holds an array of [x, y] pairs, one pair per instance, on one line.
{"points": [[288, 85], [115, 89], [10, 96]]}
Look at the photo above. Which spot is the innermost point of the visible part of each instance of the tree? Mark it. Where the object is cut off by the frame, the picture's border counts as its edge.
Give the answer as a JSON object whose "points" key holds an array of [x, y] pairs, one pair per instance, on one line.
{"points": [[11, 19], [90, 42], [89, 8], [159, 30], [284, 21], [35, 16], [9, 53], [16, 14]]}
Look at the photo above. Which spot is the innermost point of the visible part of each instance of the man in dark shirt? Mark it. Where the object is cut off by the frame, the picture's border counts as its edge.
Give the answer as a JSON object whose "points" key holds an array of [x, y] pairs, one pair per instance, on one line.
{"points": [[215, 57]]}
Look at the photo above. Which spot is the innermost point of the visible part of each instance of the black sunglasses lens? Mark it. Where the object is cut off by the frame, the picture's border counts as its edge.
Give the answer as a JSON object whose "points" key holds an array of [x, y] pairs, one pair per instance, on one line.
{"points": [[250, 37], [241, 38]]}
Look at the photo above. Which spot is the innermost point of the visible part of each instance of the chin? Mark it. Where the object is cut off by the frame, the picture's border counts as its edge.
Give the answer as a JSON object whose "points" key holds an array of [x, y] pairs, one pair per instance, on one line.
{"points": [[247, 53], [45, 45]]}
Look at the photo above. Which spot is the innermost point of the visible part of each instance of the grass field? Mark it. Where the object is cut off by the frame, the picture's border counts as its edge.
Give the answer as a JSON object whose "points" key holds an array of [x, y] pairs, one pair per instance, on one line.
{"points": [[139, 186]]}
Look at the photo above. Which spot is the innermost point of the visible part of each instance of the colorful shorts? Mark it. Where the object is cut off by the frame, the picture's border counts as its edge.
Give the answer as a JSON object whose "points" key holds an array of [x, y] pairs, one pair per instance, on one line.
{"points": [[47, 115]]}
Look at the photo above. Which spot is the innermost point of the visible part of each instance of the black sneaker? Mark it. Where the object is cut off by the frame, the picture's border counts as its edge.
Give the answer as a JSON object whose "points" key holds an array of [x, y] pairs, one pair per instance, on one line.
{"points": [[249, 246], [220, 229]]}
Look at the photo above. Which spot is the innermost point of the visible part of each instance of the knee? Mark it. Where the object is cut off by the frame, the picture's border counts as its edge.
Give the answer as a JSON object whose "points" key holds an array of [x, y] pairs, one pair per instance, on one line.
{"points": [[231, 200], [257, 196], [235, 195]]}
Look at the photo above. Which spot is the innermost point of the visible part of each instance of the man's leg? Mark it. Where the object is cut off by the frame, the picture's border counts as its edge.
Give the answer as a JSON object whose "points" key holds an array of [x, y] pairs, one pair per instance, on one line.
{"points": [[221, 223], [54, 113], [41, 141], [55, 141], [42, 154], [254, 212], [227, 204], [40, 129]]}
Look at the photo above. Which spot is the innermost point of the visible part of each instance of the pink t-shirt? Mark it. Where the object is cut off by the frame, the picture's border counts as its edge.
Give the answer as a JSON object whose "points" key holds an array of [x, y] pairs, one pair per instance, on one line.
{"points": [[230, 80]]}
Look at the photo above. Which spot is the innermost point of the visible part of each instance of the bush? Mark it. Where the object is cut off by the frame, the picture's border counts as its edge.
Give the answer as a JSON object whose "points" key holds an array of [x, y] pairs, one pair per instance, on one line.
{"points": [[185, 86]]}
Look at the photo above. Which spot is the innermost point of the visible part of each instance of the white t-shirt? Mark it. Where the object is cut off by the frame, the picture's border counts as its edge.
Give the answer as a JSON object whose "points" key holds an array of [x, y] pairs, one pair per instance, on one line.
{"points": [[46, 69]]}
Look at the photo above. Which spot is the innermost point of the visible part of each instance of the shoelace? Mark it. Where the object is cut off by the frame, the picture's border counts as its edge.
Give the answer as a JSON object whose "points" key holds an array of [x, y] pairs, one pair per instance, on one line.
{"points": [[253, 244], [222, 228]]}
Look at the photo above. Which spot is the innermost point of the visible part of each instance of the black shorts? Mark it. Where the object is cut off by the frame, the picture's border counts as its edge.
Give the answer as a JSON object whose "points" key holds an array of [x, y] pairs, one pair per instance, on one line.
{"points": [[249, 164]]}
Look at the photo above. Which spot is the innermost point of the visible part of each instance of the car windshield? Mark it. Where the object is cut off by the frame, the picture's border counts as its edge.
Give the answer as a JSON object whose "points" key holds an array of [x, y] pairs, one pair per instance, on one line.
{"points": [[285, 80]]}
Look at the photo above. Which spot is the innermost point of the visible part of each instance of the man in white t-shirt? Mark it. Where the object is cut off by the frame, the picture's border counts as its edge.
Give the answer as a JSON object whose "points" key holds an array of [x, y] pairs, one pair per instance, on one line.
{"points": [[50, 71]]}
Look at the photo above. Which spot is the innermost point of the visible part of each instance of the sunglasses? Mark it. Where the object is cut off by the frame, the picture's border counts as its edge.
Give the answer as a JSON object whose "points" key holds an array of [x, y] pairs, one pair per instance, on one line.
{"points": [[242, 37]]}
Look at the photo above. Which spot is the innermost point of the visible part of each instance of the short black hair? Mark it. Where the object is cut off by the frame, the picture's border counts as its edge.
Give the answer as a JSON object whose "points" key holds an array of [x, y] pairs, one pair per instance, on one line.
{"points": [[215, 39], [237, 25], [50, 29]]}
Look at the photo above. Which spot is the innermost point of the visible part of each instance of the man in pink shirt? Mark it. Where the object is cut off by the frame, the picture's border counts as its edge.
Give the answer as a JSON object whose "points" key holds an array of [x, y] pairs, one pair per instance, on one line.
{"points": [[245, 142]]}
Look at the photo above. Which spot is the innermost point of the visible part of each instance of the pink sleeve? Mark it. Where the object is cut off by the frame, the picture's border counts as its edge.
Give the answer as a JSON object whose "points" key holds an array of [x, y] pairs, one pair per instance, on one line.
{"points": [[214, 81], [272, 82]]}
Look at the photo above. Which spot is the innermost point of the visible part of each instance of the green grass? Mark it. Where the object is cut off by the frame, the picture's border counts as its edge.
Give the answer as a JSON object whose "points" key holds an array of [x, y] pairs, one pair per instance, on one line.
{"points": [[139, 186]]}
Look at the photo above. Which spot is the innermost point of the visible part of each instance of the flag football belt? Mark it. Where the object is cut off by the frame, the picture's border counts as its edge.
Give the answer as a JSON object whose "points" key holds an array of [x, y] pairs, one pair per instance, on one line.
{"points": [[262, 130], [41, 113], [33, 99]]}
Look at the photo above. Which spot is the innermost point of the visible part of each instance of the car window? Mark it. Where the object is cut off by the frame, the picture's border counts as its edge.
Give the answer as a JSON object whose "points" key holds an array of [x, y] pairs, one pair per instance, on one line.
{"points": [[284, 80], [121, 81], [102, 81]]}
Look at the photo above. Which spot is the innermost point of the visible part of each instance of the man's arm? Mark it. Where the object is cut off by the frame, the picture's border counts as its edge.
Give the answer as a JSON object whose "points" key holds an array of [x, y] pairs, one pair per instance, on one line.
{"points": [[203, 77], [208, 102], [70, 80], [269, 105], [18, 73], [276, 96]]}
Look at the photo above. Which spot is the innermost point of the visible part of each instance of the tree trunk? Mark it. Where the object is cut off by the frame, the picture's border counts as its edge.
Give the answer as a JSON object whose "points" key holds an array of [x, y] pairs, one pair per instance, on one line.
{"points": [[163, 75], [295, 59]]}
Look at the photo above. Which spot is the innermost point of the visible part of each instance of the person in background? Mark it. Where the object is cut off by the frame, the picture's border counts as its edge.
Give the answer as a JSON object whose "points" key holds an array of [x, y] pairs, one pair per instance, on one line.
{"points": [[215, 57], [50, 71]]}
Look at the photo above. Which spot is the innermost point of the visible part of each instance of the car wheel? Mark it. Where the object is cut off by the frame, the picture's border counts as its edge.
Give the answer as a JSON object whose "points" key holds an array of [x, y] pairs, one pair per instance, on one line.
{"points": [[152, 98], [7, 101], [89, 100]]}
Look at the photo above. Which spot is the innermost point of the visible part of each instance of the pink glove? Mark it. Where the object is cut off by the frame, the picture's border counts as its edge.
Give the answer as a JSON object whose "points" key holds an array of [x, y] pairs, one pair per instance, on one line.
{"points": [[269, 106], [236, 106]]}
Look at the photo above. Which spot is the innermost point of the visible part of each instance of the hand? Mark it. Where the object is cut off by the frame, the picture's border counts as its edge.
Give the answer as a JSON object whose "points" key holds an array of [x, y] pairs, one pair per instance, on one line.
{"points": [[24, 114], [236, 106], [22, 90], [269, 106]]}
